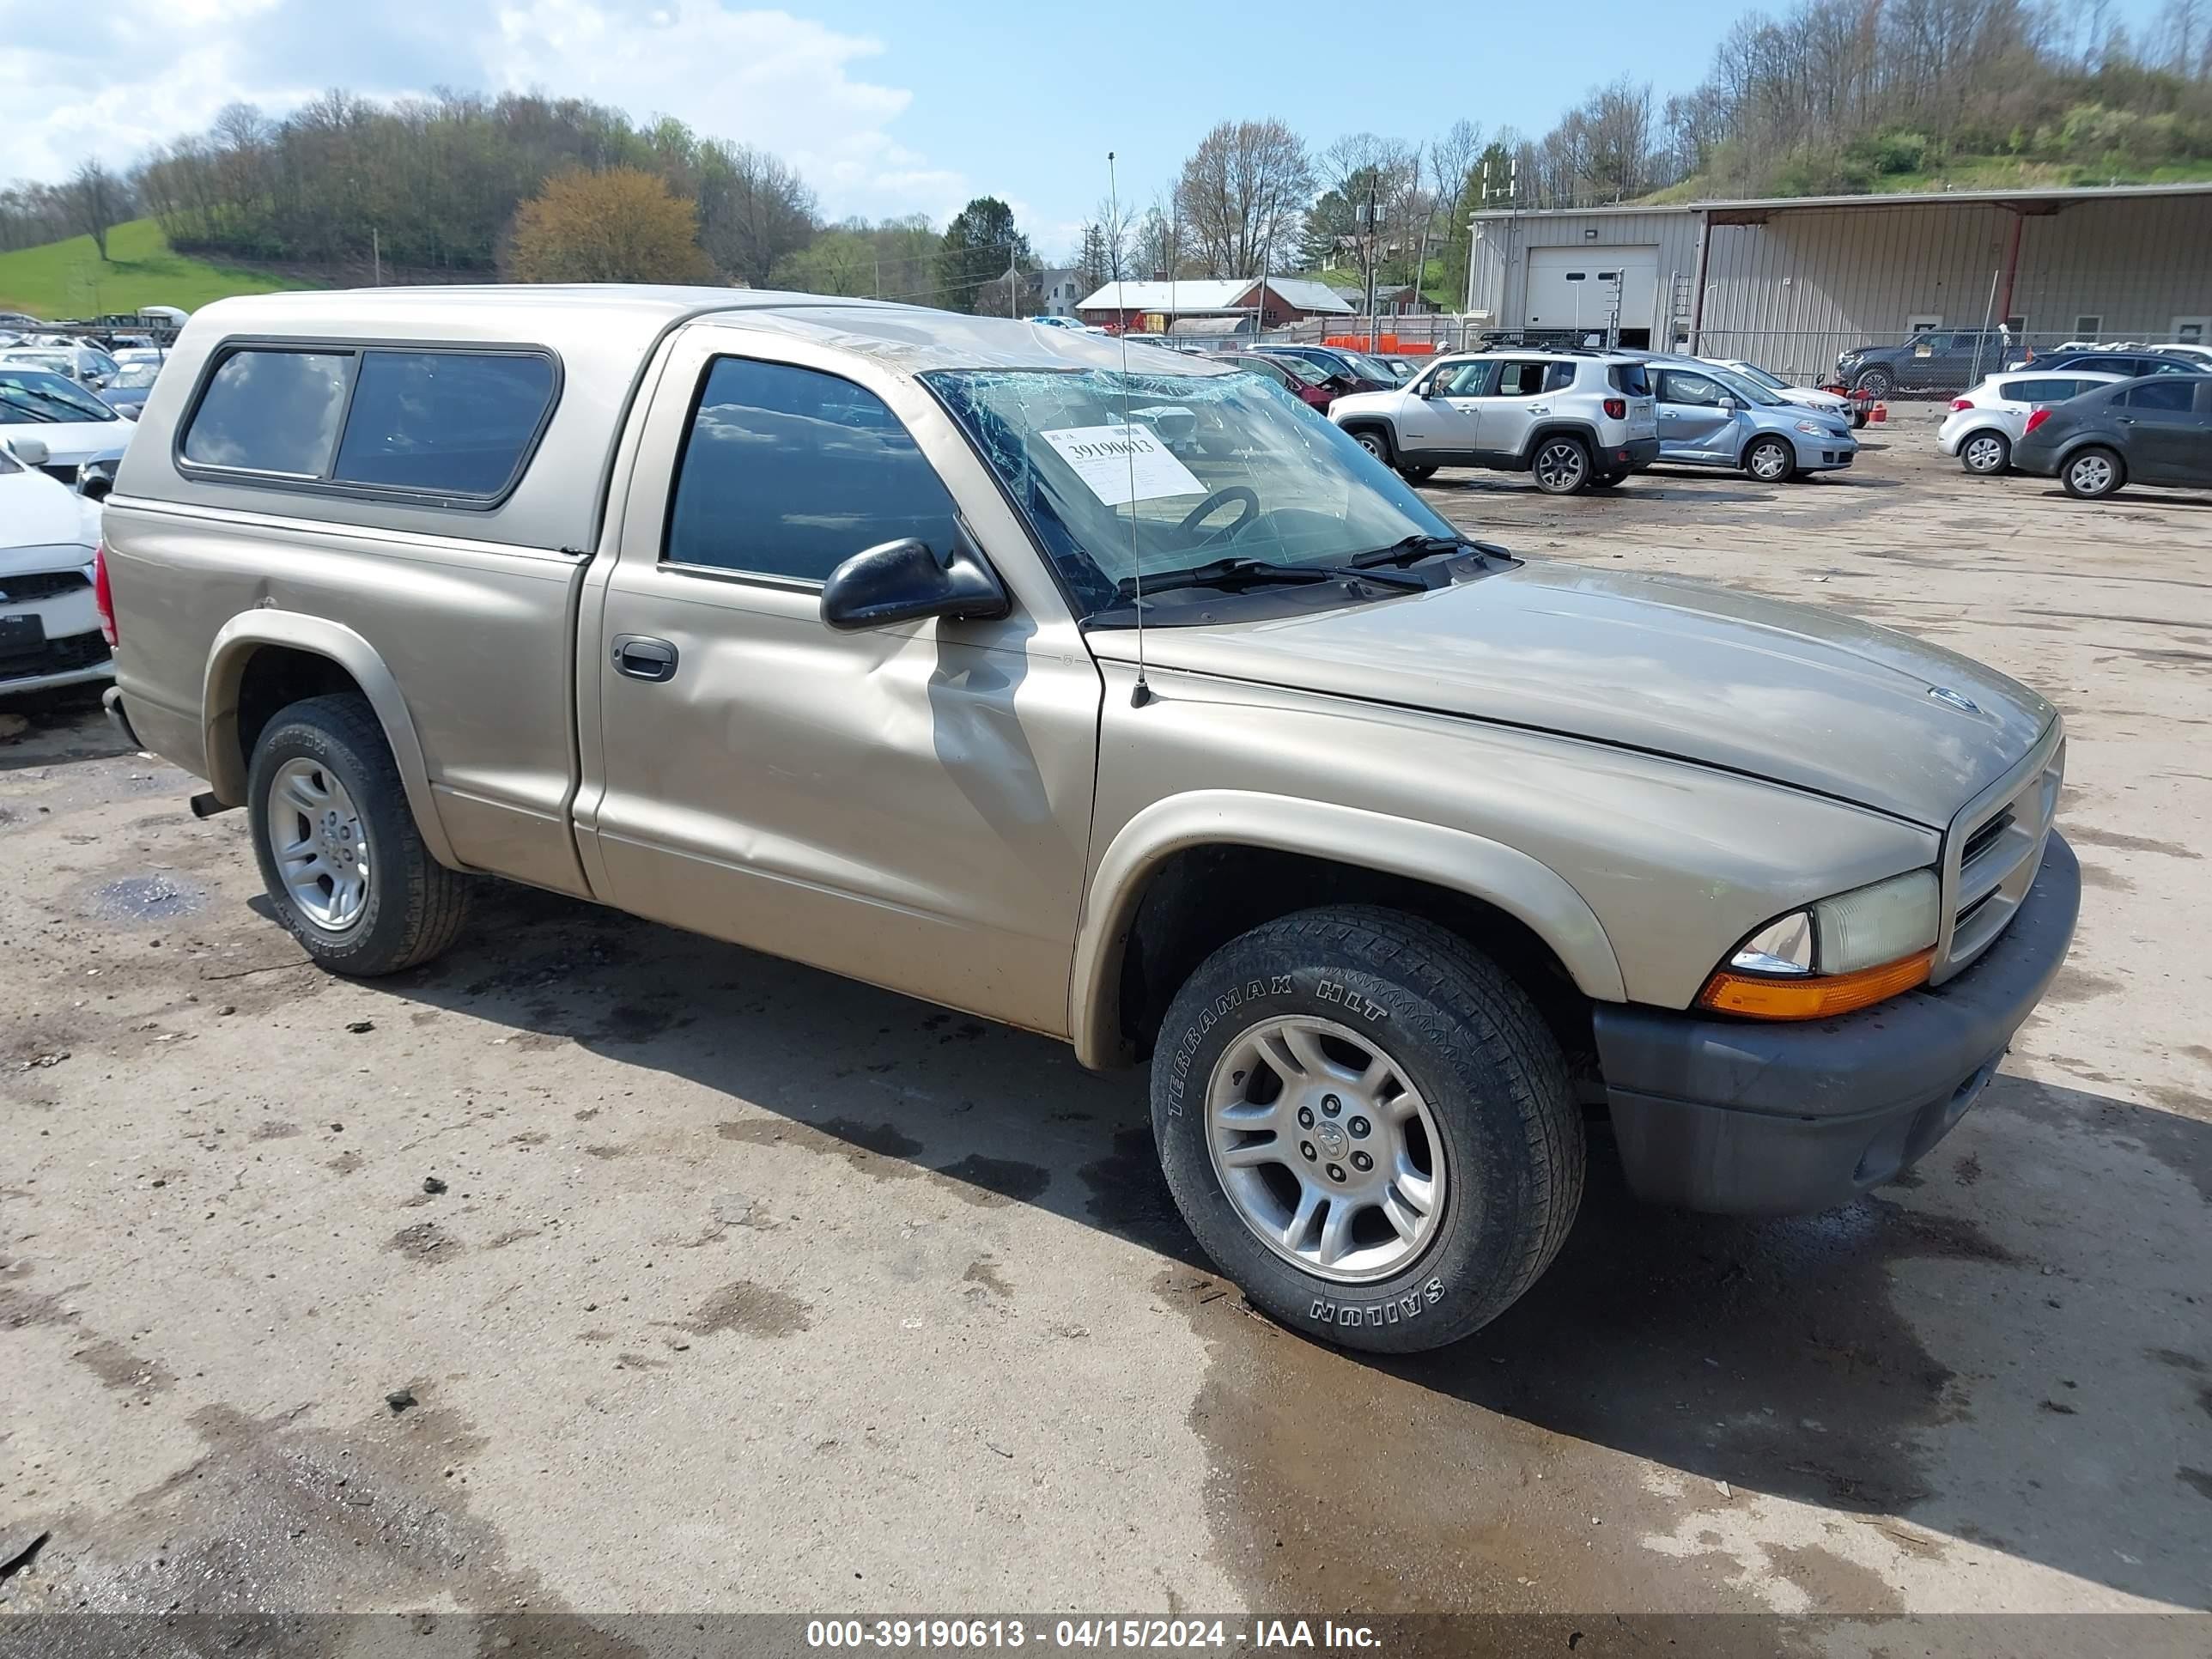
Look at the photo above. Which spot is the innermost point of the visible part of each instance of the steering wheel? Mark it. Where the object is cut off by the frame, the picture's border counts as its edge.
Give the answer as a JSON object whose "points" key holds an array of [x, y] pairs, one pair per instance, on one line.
{"points": [[1197, 516]]}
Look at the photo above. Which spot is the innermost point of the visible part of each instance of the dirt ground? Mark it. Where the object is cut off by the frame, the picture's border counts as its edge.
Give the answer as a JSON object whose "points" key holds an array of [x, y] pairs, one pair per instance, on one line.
{"points": [[750, 1289]]}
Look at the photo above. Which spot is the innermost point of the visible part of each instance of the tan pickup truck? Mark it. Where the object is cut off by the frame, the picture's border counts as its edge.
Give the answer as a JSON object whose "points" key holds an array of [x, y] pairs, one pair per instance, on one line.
{"points": [[813, 624]]}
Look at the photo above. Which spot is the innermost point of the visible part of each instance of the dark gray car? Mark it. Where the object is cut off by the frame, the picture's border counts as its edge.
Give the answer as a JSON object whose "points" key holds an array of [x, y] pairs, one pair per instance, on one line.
{"points": [[1939, 360], [2157, 430]]}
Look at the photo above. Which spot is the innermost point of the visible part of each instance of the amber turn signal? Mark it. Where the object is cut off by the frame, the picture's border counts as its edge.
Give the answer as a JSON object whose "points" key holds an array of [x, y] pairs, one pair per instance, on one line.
{"points": [[1812, 996]]}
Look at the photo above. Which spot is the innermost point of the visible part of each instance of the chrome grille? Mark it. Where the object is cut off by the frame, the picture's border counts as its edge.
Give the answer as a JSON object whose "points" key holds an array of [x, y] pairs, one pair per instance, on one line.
{"points": [[1994, 848]]}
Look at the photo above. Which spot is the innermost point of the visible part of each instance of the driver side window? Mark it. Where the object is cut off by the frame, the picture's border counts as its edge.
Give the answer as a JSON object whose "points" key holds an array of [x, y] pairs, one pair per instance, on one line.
{"points": [[787, 472], [1463, 380], [1680, 387]]}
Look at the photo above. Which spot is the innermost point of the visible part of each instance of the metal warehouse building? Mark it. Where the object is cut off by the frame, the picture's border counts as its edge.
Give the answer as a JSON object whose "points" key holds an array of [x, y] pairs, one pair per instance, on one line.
{"points": [[1791, 280]]}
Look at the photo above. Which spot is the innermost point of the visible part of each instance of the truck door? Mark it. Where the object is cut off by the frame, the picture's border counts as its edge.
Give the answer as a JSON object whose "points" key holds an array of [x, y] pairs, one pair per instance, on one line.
{"points": [[908, 805]]}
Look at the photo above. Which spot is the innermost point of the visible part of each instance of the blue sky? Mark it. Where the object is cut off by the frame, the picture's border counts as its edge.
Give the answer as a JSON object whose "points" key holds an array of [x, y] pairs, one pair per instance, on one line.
{"points": [[886, 108]]}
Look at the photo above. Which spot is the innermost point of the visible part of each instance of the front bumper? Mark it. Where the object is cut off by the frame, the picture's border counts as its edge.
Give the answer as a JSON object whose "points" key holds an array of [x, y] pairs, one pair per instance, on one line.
{"points": [[1747, 1118], [1826, 453]]}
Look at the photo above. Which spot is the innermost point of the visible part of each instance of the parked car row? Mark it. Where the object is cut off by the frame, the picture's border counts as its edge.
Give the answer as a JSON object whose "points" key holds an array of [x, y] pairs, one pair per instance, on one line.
{"points": [[2094, 430], [1575, 418]]}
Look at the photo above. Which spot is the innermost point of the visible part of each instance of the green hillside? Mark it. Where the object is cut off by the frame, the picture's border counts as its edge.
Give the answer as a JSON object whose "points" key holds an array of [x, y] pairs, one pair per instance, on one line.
{"points": [[1958, 172], [67, 279]]}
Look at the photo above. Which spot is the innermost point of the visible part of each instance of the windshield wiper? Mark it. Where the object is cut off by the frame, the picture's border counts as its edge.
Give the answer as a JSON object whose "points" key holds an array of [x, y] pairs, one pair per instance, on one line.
{"points": [[1230, 574], [30, 409]]}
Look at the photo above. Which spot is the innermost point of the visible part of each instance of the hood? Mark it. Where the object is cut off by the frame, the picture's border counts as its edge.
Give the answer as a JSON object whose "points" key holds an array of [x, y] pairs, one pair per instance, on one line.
{"points": [[1702, 673], [38, 516], [72, 443], [1813, 397], [1363, 403]]}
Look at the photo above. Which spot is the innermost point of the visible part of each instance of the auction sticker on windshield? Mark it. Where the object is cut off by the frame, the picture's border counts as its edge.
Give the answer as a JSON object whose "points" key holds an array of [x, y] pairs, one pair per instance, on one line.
{"points": [[1121, 464]]}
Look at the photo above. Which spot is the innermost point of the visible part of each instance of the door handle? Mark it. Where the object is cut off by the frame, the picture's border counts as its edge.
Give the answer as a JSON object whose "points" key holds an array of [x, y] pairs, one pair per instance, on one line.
{"points": [[644, 659]]}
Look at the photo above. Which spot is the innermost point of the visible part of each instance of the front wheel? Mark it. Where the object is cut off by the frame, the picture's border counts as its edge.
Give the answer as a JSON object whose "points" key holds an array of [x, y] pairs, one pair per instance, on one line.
{"points": [[2093, 472], [337, 845], [1769, 460], [1986, 454], [1560, 465], [1875, 383], [1368, 1126], [1374, 443]]}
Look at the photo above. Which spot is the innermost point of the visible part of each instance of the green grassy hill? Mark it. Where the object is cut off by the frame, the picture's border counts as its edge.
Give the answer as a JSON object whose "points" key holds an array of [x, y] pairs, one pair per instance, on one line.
{"points": [[1971, 172], [67, 279]]}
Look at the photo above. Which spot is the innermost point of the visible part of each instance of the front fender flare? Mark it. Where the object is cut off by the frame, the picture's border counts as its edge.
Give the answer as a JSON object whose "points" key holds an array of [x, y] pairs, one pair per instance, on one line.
{"points": [[234, 646], [1517, 884]]}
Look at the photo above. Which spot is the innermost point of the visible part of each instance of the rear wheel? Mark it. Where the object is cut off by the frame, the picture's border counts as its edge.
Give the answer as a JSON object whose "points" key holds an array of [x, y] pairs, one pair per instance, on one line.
{"points": [[1769, 460], [1561, 466], [1368, 1126], [1420, 474], [1986, 453], [337, 845], [2093, 472]]}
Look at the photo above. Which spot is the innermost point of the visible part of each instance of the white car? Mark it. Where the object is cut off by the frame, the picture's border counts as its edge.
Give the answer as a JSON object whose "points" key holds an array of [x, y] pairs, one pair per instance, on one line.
{"points": [[50, 633], [1985, 423], [1805, 397], [73, 428], [87, 365]]}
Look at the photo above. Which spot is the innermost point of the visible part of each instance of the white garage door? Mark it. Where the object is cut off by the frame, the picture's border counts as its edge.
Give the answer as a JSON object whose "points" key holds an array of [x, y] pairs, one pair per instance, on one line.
{"points": [[1580, 287]]}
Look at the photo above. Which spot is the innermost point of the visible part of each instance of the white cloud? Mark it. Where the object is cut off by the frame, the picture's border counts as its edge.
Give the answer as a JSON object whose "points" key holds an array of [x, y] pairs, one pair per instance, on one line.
{"points": [[78, 85], [95, 89], [769, 78]]}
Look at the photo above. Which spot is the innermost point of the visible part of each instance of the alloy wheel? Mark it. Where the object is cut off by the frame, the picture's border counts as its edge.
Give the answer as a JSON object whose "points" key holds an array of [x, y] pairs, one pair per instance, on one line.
{"points": [[1984, 453], [2092, 475], [321, 844], [1326, 1149], [1559, 466]]}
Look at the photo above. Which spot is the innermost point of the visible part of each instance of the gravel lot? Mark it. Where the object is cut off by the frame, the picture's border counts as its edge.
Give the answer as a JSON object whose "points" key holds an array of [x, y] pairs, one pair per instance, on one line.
{"points": [[751, 1289]]}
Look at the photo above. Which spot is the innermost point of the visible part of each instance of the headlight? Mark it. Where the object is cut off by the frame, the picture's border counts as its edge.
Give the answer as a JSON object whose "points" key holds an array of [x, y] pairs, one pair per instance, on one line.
{"points": [[1816, 429], [1844, 953]]}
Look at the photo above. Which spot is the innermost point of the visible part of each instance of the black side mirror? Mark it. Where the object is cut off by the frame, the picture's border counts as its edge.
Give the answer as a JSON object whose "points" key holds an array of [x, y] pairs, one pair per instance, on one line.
{"points": [[903, 581]]}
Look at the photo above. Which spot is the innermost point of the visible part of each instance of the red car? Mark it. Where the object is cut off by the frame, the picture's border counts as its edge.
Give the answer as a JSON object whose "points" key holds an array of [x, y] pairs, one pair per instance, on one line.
{"points": [[1318, 391]]}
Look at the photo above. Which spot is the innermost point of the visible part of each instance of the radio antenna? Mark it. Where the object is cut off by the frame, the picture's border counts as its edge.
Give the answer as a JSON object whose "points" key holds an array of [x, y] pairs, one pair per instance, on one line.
{"points": [[1141, 693]]}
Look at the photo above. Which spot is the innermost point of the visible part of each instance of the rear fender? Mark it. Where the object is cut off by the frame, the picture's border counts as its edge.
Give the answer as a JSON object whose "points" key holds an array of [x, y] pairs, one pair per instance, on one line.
{"points": [[234, 646]]}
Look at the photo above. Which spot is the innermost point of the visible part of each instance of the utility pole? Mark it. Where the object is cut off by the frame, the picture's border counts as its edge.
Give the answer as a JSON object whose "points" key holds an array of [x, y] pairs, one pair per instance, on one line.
{"points": [[376, 253]]}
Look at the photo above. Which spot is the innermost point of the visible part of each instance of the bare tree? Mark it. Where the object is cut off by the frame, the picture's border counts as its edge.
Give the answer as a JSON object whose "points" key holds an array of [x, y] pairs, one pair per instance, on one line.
{"points": [[1372, 183], [97, 201], [753, 209], [1241, 192]]}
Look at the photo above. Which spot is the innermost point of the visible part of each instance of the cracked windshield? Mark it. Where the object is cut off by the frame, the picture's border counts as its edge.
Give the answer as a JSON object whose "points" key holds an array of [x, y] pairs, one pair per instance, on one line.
{"points": [[1178, 471]]}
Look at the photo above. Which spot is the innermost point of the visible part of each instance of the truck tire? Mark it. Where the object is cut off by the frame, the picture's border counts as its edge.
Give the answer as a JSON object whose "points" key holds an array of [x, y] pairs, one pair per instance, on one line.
{"points": [[339, 851], [1875, 382], [1561, 465], [1355, 1033]]}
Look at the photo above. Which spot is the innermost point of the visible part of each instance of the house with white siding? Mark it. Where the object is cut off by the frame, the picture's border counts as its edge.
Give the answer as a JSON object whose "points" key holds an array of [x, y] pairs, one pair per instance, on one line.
{"points": [[1789, 282]]}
